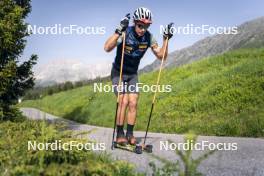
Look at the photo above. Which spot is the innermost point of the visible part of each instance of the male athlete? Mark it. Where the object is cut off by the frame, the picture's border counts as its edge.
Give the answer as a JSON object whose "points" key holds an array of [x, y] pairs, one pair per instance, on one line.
{"points": [[138, 39]]}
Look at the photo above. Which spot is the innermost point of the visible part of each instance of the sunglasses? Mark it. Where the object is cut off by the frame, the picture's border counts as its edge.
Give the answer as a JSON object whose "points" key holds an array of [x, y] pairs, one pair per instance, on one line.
{"points": [[142, 26]]}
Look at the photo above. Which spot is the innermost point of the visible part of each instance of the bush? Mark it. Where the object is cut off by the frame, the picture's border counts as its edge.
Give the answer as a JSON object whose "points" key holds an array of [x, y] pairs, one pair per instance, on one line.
{"points": [[16, 159]]}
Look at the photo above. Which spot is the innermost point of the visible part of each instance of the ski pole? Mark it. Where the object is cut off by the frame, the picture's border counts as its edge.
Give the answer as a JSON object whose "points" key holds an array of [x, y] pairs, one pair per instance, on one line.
{"points": [[154, 97], [119, 83]]}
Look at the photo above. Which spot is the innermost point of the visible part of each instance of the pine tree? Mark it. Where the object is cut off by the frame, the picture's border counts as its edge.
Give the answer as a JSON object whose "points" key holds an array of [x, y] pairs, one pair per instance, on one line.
{"points": [[15, 77]]}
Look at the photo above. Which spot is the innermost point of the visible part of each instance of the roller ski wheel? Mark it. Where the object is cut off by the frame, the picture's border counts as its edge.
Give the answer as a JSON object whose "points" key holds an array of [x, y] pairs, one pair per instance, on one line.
{"points": [[138, 149], [148, 148]]}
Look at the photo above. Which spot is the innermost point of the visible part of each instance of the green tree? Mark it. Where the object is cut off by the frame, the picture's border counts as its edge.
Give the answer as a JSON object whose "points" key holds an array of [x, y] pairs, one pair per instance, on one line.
{"points": [[50, 91], [16, 77], [67, 85]]}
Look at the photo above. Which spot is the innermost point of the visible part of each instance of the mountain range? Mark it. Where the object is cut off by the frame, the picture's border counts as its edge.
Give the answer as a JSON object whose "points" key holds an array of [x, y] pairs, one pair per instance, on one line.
{"points": [[60, 71], [250, 35]]}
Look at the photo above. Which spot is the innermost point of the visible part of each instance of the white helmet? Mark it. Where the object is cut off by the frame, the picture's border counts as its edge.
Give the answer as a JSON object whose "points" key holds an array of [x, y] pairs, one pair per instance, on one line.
{"points": [[143, 14]]}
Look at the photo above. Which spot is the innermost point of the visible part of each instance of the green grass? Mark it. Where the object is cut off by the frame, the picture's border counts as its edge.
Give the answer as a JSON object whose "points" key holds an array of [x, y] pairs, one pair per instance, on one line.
{"points": [[16, 159], [221, 95]]}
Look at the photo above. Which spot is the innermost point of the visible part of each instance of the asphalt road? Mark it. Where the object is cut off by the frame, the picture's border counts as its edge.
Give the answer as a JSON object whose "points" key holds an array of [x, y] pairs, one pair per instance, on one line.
{"points": [[247, 160]]}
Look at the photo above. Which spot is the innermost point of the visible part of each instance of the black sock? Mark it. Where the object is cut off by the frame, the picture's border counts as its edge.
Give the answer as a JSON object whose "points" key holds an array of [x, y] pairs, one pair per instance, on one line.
{"points": [[130, 130], [120, 130]]}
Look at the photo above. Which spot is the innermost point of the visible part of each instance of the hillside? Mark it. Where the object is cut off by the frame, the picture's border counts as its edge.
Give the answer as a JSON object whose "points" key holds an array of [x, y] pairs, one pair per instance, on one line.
{"points": [[222, 95], [250, 35]]}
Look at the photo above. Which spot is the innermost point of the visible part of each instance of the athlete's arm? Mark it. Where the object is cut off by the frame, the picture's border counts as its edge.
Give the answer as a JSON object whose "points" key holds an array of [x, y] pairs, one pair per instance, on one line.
{"points": [[111, 42], [158, 52]]}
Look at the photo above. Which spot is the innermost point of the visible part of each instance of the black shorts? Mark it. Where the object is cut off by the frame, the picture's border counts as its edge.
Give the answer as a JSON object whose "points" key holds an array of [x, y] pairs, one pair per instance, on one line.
{"points": [[128, 83]]}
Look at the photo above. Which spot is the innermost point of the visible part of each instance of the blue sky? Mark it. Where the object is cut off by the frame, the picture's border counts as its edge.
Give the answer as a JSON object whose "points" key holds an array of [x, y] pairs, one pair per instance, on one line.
{"points": [[89, 48]]}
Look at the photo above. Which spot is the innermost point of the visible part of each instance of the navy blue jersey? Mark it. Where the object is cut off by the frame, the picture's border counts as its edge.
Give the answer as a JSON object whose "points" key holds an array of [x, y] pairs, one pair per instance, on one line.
{"points": [[135, 48]]}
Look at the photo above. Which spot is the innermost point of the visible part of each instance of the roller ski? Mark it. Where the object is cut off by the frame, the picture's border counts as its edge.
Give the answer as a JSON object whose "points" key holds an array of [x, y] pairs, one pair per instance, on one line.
{"points": [[129, 144]]}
